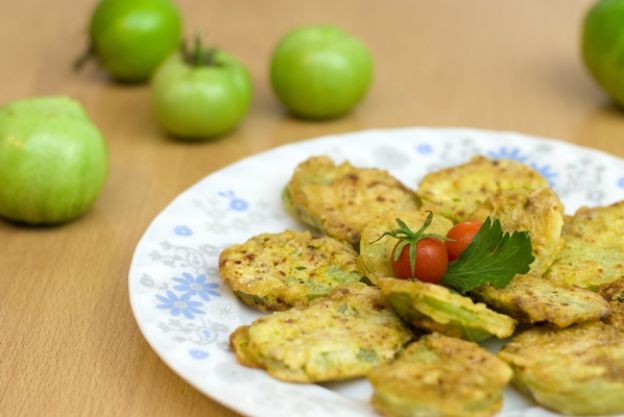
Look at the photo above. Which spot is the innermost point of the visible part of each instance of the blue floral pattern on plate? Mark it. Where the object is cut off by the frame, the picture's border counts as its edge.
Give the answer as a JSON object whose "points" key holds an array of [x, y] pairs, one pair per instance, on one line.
{"points": [[424, 149], [182, 230], [187, 315], [198, 285], [179, 305], [236, 203]]}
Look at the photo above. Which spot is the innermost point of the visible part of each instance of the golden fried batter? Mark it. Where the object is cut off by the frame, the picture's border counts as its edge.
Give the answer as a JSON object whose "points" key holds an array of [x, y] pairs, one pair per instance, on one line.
{"points": [[280, 270], [440, 376], [532, 299], [341, 200], [578, 370], [376, 254], [341, 336], [538, 212], [239, 341], [593, 253], [457, 191], [613, 293], [435, 308]]}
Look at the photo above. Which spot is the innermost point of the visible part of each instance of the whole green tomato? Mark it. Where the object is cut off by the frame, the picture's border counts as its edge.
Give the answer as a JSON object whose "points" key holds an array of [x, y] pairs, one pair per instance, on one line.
{"points": [[602, 46], [53, 160], [201, 94], [132, 37], [320, 71]]}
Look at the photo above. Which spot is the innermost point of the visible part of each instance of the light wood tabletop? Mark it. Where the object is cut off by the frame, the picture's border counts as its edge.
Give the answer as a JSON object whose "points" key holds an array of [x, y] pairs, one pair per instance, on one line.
{"points": [[69, 343]]}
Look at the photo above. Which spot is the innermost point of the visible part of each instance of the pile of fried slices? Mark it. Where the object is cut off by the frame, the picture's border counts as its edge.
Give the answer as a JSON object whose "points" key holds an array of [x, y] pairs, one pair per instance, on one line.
{"points": [[336, 312]]}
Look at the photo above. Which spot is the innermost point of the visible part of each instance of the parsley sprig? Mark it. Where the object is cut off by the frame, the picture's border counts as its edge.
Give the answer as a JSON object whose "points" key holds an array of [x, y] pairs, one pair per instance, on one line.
{"points": [[493, 257], [406, 236]]}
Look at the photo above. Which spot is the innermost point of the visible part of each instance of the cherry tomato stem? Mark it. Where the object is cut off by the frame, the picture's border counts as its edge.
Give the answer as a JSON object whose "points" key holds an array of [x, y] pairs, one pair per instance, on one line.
{"points": [[418, 254]]}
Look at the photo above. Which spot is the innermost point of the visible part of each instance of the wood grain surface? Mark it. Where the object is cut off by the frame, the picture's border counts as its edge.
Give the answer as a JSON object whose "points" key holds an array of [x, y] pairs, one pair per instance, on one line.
{"points": [[69, 344]]}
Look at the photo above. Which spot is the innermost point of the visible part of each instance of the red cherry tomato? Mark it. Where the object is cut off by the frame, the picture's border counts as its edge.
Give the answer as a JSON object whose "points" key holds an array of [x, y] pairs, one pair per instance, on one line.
{"points": [[431, 261], [460, 237]]}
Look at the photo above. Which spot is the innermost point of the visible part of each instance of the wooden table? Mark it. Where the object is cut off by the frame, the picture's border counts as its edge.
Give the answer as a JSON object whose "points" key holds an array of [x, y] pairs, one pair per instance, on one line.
{"points": [[69, 344]]}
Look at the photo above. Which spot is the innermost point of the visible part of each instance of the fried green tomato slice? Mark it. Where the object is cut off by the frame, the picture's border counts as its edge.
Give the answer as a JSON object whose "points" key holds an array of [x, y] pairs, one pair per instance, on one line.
{"points": [[341, 336], [538, 212], [440, 376], [376, 251], [578, 370], [340, 200], [275, 271], [239, 341], [532, 299], [593, 250], [436, 308], [457, 191], [613, 293]]}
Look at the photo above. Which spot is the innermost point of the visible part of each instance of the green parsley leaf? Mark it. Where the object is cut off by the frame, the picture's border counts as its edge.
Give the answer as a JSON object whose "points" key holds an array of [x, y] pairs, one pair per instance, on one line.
{"points": [[493, 257]]}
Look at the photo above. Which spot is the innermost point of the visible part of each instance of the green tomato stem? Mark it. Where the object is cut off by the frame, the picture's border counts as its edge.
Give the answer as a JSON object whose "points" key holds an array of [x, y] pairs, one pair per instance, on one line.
{"points": [[85, 56], [199, 56]]}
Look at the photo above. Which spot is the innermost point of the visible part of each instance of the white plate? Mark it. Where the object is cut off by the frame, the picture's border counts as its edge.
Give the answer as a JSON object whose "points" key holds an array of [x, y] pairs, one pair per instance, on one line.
{"points": [[187, 314]]}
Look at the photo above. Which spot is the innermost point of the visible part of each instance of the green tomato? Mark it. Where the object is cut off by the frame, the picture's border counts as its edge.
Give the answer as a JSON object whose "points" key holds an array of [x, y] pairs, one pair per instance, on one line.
{"points": [[602, 46], [132, 37], [201, 94], [53, 160], [320, 71]]}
